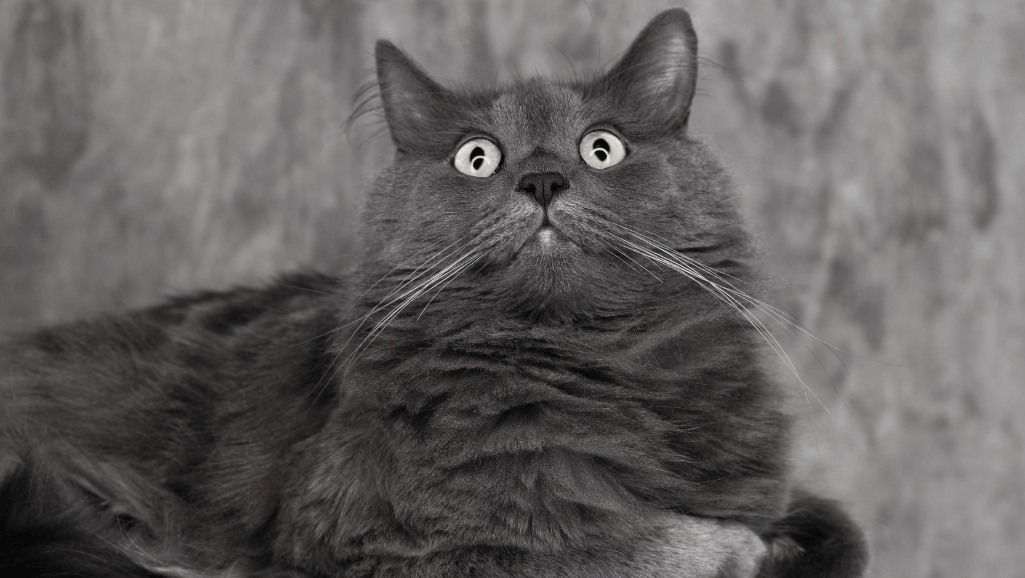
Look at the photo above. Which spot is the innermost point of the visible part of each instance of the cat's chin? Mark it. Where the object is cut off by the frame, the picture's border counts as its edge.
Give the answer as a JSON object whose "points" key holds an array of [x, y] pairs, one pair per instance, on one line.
{"points": [[547, 236], [550, 278]]}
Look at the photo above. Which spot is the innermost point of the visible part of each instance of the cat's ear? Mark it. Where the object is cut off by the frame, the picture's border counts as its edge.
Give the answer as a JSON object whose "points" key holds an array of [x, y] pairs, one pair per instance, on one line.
{"points": [[657, 75], [414, 105]]}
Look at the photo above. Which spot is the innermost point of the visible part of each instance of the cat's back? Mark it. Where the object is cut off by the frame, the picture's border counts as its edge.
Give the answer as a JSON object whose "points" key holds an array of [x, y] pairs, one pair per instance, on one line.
{"points": [[161, 387]]}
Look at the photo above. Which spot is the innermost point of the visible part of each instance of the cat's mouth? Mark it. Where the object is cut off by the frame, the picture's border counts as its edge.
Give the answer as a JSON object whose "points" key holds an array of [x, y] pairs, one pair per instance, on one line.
{"points": [[549, 237], [545, 237]]}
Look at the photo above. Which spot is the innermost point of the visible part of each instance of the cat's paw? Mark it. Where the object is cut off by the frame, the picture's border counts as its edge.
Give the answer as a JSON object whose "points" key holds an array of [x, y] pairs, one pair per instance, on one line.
{"points": [[705, 548]]}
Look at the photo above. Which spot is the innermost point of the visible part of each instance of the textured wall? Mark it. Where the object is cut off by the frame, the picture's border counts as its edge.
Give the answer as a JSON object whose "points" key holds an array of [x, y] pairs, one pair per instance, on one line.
{"points": [[156, 146]]}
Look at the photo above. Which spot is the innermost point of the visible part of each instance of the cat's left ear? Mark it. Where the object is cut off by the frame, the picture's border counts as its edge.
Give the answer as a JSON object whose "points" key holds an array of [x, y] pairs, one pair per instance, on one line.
{"points": [[414, 105], [657, 76]]}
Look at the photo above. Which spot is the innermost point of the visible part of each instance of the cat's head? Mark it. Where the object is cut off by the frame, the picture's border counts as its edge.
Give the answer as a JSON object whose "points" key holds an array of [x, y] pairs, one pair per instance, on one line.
{"points": [[560, 199]]}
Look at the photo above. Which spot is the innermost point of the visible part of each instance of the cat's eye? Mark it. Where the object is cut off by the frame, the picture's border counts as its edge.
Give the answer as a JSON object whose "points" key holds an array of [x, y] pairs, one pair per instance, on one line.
{"points": [[601, 149], [478, 157]]}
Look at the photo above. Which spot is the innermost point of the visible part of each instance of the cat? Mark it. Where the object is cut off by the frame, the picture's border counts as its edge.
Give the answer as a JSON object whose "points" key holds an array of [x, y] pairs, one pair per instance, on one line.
{"points": [[543, 366]]}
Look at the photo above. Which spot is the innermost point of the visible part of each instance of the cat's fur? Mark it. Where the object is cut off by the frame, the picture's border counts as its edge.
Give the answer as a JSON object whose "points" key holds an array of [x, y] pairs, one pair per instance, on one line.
{"points": [[569, 408]]}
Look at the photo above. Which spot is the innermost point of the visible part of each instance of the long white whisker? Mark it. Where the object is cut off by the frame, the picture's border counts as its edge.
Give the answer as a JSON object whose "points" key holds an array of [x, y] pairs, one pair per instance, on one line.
{"points": [[451, 278], [619, 252], [730, 298], [779, 315], [646, 237], [342, 325], [418, 272], [449, 272]]}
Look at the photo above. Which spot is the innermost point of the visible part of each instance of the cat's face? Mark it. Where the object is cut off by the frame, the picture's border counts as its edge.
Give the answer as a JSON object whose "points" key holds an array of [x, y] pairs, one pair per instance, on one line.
{"points": [[554, 195]]}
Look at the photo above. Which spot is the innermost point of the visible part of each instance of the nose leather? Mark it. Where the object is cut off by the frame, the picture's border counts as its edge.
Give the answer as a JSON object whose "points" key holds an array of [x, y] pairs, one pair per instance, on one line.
{"points": [[543, 186]]}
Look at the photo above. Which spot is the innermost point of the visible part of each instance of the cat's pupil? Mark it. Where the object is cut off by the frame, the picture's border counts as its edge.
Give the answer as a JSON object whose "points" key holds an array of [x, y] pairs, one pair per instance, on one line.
{"points": [[477, 158], [601, 149]]}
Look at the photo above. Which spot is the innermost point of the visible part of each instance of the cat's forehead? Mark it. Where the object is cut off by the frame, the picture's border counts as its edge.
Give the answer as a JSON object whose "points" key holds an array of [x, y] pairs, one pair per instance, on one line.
{"points": [[538, 109]]}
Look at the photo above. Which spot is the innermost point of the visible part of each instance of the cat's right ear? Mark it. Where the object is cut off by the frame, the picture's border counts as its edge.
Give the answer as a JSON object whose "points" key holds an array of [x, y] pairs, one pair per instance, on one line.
{"points": [[414, 105]]}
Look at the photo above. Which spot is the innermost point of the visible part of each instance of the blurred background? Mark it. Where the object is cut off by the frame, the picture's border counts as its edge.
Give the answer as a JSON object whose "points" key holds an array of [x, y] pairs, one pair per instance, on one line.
{"points": [[150, 147]]}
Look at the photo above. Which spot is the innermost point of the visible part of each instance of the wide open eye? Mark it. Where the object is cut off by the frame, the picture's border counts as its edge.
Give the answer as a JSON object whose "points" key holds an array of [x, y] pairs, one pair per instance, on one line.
{"points": [[601, 149], [478, 157]]}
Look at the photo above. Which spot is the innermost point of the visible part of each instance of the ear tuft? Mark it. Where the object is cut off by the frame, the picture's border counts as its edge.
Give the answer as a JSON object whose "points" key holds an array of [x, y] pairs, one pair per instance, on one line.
{"points": [[658, 74], [412, 100]]}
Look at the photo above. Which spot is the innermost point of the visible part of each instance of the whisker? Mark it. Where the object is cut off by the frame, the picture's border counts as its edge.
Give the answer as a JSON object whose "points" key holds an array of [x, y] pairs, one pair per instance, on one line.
{"points": [[442, 288], [647, 237], [782, 317], [298, 288], [779, 315], [449, 273], [732, 298], [619, 252], [401, 301], [341, 317], [418, 272]]}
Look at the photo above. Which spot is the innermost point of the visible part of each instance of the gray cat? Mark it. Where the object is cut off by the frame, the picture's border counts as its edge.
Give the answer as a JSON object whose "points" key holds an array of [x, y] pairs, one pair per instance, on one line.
{"points": [[543, 367]]}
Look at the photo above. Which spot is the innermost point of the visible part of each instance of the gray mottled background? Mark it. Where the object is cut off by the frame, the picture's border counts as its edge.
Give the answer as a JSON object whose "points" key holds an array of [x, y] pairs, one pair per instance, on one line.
{"points": [[156, 146]]}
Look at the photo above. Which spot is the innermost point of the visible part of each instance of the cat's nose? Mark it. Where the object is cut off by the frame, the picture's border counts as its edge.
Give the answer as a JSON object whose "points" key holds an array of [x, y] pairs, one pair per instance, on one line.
{"points": [[543, 186]]}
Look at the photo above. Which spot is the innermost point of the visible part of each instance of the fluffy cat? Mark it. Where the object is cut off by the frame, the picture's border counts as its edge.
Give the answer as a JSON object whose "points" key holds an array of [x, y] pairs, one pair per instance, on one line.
{"points": [[543, 367]]}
